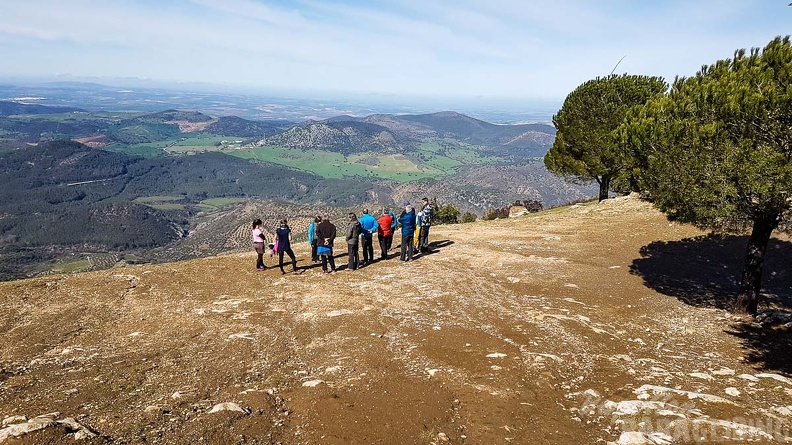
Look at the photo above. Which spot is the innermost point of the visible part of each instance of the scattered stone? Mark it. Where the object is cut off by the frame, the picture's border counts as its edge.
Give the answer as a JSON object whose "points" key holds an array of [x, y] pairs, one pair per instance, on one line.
{"points": [[724, 371], [783, 410], [135, 334], [689, 394], [701, 375], [17, 430], [241, 335], [573, 286], [736, 431], [152, 409], [81, 432], [496, 355], [632, 407], [431, 372], [513, 279], [748, 377], [227, 406], [734, 392], [312, 383], [592, 393], [339, 313], [777, 377], [632, 438], [442, 437], [14, 419]]}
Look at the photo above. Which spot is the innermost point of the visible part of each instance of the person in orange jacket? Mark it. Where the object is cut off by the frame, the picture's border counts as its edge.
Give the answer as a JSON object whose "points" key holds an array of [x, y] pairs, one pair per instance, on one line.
{"points": [[385, 232]]}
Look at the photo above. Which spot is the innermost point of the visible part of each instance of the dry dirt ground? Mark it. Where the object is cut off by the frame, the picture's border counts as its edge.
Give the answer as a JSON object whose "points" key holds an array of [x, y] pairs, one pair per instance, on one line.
{"points": [[588, 324]]}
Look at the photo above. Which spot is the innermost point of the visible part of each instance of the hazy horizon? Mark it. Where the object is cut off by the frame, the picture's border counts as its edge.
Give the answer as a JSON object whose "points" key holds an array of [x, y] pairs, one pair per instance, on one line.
{"points": [[501, 50], [150, 95]]}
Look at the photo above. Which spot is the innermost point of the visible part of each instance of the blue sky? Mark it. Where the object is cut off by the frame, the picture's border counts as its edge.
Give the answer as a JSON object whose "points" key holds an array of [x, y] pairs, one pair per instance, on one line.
{"points": [[466, 48]]}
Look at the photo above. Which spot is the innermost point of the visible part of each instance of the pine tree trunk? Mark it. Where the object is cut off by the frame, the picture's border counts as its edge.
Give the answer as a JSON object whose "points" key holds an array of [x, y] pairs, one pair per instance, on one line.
{"points": [[604, 188], [751, 285]]}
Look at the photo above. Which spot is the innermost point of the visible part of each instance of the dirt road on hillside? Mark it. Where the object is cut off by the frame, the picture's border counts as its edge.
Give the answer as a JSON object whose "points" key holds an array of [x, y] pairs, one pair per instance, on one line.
{"points": [[582, 325]]}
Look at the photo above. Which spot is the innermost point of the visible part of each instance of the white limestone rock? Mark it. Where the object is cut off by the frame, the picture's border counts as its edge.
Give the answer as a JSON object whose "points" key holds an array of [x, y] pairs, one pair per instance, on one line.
{"points": [[227, 406]]}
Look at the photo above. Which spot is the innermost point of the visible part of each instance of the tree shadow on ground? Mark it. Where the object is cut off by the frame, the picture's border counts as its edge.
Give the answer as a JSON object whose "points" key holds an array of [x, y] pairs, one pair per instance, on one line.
{"points": [[705, 271]]}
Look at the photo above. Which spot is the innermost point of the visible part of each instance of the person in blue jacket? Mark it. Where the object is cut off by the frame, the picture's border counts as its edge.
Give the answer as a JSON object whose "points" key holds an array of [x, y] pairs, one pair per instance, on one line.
{"points": [[407, 221], [312, 239], [368, 226]]}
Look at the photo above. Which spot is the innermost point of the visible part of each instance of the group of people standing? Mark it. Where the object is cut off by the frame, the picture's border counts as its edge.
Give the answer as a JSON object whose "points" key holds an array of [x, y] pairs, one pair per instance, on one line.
{"points": [[359, 233]]}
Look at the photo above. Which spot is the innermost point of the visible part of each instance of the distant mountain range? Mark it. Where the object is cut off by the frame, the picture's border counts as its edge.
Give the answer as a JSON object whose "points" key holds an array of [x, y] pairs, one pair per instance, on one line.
{"points": [[8, 108], [386, 133], [401, 133]]}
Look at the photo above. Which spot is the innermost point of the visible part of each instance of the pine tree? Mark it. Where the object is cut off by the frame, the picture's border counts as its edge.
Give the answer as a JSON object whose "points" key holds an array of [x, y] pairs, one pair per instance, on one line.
{"points": [[587, 145], [716, 151]]}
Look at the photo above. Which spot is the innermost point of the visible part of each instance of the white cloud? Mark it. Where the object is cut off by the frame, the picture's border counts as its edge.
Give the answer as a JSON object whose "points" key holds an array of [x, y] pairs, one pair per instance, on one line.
{"points": [[499, 47]]}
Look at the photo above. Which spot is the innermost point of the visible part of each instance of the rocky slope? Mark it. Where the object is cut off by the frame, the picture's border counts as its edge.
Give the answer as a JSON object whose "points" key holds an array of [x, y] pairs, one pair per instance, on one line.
{"points": [[587, 324]]}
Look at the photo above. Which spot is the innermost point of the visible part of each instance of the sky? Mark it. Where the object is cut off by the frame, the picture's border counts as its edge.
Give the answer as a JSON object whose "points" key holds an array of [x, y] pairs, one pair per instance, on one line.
{"points": [[514, 49]]}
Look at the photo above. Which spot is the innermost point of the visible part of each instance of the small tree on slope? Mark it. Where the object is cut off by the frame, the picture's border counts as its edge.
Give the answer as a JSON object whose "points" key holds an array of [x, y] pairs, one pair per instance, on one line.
{"points": [[587, 145], [715, 151]]}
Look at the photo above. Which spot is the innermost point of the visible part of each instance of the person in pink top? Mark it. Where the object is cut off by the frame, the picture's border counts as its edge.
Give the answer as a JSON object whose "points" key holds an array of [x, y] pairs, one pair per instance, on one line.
{"points": [[259, 240]]}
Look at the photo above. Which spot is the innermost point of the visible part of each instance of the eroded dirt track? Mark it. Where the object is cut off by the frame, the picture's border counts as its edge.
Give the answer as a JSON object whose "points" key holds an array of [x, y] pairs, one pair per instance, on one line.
{"points": [[542, 329]]}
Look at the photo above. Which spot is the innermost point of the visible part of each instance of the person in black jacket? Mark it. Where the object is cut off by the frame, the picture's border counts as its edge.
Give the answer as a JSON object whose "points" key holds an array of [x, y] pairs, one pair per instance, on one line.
{"points": [[425, 216], [353, 241], [284, 246], [325, 235]]}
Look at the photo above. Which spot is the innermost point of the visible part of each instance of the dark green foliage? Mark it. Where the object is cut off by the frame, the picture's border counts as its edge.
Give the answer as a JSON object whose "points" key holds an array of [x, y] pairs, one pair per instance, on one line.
{"points": [[236, 126], [444, 214], [140, 132], [587, 146], [500, 213], [17, 262], [468, 217], [35, 129], [532, 206], [175, 115], [715, 151]]}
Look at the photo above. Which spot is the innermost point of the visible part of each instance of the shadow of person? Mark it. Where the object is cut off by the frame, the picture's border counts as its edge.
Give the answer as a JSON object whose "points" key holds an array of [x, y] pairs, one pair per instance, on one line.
{"points": [[440, 244], [705, 271]]}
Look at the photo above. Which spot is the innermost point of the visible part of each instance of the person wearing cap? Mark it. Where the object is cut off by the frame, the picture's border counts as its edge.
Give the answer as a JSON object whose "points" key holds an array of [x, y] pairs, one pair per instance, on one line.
{"points": [[385, 232], [425, 216], [352, 239], [368, 225], [407, 221]]}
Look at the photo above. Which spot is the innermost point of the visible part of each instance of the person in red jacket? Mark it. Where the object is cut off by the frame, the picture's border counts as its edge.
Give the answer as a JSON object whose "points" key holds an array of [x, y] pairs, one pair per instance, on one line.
{"points": [[385, 232]]}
